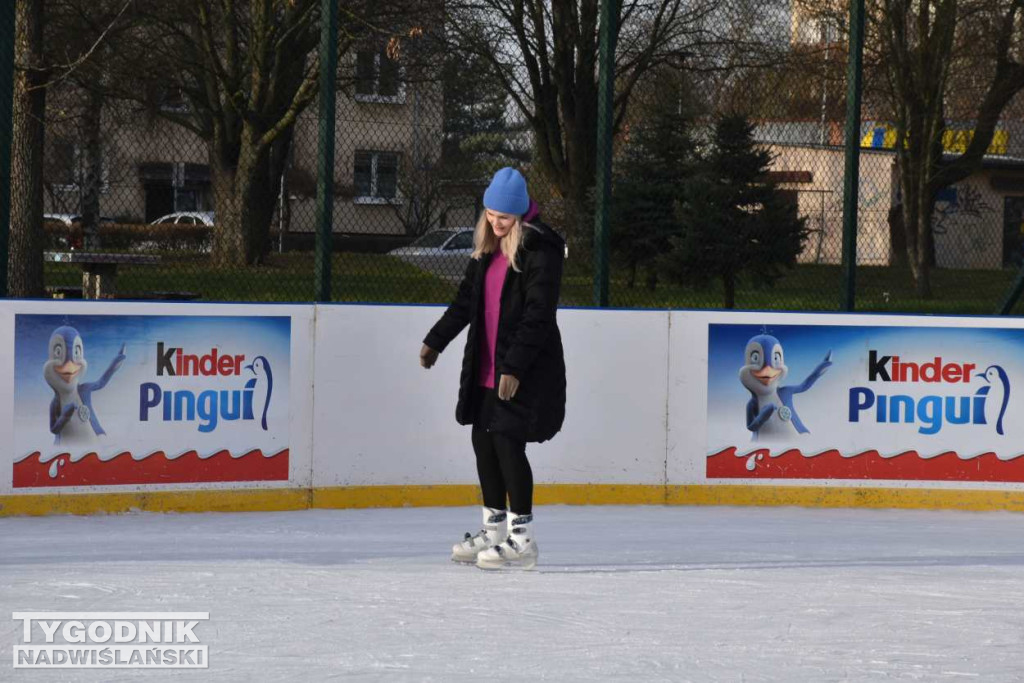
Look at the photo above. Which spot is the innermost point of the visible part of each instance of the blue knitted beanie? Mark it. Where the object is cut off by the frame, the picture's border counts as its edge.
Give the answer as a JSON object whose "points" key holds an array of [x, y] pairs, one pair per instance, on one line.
{"points": [[507, 193]]}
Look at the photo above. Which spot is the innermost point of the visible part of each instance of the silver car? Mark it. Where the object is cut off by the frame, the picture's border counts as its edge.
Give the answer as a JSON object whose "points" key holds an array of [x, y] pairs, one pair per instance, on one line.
{"points": [[444, 252], [173, 242], [187, 218]]}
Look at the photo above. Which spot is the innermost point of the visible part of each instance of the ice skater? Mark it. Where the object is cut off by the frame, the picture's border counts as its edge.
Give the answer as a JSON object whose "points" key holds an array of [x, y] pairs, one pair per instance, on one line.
{"points": [[512, 388]]}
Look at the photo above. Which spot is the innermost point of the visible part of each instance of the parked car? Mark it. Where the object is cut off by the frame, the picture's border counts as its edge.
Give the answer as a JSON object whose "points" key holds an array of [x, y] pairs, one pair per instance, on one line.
{"points": [[70, 218], [444, 252], [179, 241], [186, 218]]}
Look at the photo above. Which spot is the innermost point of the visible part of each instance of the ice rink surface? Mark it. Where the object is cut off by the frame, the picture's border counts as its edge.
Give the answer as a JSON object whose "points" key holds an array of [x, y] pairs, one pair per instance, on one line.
{"points": [[621, 593]]}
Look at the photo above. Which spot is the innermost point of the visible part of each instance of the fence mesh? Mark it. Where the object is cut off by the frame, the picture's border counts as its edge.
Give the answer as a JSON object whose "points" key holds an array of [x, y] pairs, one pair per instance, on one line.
{"points": [[169, 149]]}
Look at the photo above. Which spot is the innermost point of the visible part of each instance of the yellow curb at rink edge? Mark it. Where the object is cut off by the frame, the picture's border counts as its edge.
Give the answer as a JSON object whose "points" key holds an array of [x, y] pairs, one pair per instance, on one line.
{"points": [[279, 499], [156, 501]]}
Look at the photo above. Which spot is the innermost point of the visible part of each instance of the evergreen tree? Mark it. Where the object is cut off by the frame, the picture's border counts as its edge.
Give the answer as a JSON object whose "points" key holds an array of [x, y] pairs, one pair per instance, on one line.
{"points": [[478, 135], [734, 221], [649, 179]]}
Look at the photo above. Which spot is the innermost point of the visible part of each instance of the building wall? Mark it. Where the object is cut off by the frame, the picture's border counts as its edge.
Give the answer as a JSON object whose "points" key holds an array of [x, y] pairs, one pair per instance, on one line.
{"points": [[968, 221], [410, 125], [820, 201], [128, 141], [968, 225]]}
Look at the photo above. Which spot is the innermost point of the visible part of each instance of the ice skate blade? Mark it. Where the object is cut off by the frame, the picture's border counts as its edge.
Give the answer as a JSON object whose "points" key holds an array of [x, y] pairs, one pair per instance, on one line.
{"points": [[458, 560], [527, 564]]}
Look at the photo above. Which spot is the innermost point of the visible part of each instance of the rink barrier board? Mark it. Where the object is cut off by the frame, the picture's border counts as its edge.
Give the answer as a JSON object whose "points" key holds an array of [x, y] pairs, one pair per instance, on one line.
{"points": [[348, 452], [277, 500]]}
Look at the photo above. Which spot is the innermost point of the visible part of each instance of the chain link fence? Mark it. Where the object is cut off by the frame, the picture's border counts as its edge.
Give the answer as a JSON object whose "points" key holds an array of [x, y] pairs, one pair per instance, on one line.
{"points": [[159, 154]]}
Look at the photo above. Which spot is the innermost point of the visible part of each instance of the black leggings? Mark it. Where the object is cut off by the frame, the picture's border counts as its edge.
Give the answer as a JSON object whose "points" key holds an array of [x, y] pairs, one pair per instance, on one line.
{"points": [[502, 465]]}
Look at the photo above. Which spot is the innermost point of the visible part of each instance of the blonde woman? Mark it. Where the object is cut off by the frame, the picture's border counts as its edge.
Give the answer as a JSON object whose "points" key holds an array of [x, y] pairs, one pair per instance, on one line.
{"points": [[512, 389]]}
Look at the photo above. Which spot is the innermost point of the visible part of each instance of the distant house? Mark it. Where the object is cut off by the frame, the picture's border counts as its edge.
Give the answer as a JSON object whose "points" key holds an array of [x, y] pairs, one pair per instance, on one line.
{"points": [[150, 167], [388, 136], [978, 223]]}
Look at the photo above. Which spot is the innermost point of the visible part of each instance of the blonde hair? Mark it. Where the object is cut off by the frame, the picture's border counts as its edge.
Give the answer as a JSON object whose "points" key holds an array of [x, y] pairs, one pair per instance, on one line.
{"points": [[486, 242]]}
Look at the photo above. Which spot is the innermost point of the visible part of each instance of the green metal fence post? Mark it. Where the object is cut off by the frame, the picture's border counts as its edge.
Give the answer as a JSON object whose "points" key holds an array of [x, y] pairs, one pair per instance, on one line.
{"points": [[6, 133], [605, 121], [325, 166], [851, 181], [1011, 298]]}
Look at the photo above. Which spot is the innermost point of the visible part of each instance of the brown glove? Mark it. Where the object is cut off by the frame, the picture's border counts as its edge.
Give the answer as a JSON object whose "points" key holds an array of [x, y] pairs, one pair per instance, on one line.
{"points": [[428, 356], [507, 387]]}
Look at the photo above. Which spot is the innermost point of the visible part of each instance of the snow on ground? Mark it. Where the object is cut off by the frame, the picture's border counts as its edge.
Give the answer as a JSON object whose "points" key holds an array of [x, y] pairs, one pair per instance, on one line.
{"points": [[622, 593]]}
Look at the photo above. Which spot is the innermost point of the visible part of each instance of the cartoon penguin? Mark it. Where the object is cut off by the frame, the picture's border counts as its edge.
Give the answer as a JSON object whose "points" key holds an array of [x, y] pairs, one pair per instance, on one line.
{"points": [[263, 386], [72, 418], [770, 411], [997, 392]]}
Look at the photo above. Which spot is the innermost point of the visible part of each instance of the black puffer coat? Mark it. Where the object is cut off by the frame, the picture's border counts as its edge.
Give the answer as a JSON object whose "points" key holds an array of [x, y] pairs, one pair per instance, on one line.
{"points": [[529, 345]]}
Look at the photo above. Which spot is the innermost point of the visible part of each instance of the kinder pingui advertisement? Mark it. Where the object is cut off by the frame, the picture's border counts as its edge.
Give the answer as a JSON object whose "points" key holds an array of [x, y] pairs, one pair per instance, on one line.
{"points": [[846, 402], [109, 399]]}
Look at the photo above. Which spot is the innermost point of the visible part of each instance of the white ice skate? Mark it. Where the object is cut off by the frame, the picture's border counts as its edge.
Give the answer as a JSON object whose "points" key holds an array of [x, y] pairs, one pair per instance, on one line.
{"points": [[492, 533], [518, 551]]}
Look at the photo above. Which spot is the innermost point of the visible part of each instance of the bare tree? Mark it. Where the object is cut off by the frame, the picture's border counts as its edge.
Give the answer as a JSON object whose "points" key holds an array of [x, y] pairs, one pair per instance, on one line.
{"points": [[925, 44], [80, 33], [25, 271], [246, 69], [928, 63], [545, 54]]}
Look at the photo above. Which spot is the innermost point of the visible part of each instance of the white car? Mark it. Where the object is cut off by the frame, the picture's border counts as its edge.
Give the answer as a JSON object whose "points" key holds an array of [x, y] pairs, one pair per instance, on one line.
{"points": [[443, 252], [186, 218], [183, 218], [70, 218]]}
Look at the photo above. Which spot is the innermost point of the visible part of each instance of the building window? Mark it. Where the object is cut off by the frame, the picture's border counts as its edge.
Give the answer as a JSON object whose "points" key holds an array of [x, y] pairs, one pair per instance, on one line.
{"points": [[174, 101], [68, 170], [177, 186], [378, 78], [376, 177]]}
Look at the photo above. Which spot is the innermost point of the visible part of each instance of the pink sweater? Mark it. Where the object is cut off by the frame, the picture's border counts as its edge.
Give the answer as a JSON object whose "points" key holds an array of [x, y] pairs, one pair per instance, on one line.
{"points": [[494, 280]]}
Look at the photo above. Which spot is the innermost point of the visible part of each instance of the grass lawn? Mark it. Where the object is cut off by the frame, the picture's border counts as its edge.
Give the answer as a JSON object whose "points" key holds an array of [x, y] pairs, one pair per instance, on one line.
{"points": [[384, 279]]}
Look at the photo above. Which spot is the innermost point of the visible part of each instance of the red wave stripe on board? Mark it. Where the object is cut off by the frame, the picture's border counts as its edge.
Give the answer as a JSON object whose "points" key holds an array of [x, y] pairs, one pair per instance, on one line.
{"points": [[156, 468], [829, 464]]}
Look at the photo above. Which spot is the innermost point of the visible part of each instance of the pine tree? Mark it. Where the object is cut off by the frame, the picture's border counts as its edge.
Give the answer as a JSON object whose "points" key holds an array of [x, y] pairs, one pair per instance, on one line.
{"points": [[649, 179], [734, 221], [478, 136]]}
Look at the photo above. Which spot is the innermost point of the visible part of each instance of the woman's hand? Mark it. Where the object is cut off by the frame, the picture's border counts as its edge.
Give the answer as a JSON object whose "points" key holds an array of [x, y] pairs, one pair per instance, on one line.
{"points": [[428, 356], [507, 387]]}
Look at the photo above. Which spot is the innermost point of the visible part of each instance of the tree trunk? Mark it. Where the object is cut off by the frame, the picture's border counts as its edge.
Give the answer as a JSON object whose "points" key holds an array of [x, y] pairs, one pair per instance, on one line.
{"points": [[652, 279], [277, 162], [918, 207], [25, 269], [923, 279], [231, 243], [92, 168], [729, 282], [245, 194], [897, 239]]}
